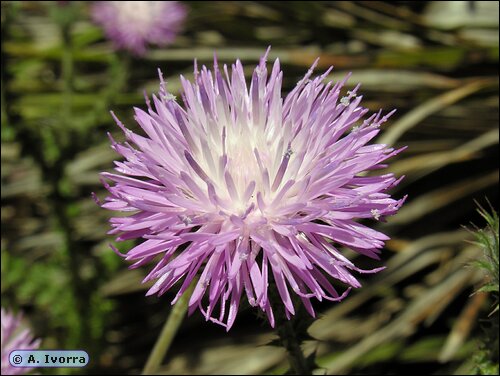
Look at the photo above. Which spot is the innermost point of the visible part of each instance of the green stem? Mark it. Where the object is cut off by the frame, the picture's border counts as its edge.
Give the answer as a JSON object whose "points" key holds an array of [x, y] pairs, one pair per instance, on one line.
{"points": [[67, 68], [169, 331], [8, 13], [298, 362], [60, 196], [5, 117], [67, 72]]}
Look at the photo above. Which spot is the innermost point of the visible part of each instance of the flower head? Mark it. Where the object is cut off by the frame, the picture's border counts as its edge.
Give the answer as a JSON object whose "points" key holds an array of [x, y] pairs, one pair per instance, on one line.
{"points": [[252, 190], [15, 337], [132, 25]]}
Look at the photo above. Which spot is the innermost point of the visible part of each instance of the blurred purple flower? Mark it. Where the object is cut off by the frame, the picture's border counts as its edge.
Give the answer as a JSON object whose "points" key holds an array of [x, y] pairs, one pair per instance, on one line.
{"points": [[15, 337], [248, 187], [131, 25]]}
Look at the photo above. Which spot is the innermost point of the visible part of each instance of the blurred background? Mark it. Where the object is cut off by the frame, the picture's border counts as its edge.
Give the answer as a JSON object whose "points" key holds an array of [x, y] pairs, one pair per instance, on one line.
{"points": [[435, 62]]}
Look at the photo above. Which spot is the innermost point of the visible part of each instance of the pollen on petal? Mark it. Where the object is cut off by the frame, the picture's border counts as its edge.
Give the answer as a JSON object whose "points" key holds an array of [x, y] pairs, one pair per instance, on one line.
{"points": [[254, 191]]}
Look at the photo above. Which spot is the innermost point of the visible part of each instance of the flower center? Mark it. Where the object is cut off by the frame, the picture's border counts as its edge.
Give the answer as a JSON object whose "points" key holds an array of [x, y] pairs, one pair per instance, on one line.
{"points": [[139, 15], [243, 161]]}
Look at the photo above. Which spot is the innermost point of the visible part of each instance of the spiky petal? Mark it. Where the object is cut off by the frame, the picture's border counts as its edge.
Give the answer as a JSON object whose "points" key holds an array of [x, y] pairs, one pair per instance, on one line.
{"points": [[251, 190], [15, 336]]}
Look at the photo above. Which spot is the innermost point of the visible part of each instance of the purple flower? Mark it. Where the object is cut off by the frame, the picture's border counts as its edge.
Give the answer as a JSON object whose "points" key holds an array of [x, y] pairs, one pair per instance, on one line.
{"points": [[132, 25], [249, 188], [15, 337]]}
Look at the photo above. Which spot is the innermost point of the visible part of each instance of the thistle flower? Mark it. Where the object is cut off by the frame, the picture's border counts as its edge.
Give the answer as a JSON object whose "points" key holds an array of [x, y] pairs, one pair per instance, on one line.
{"points": [[132, 25], [15, 337], [249, 189]]}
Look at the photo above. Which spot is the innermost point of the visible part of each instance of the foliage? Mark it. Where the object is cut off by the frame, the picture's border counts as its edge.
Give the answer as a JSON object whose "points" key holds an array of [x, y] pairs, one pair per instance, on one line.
{"points": [[487, 239]]}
